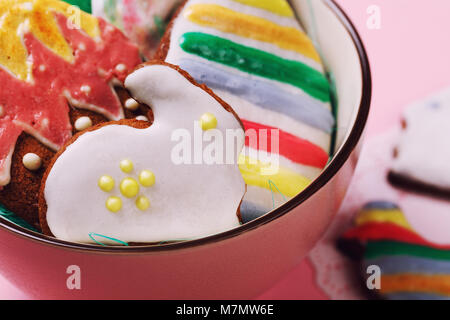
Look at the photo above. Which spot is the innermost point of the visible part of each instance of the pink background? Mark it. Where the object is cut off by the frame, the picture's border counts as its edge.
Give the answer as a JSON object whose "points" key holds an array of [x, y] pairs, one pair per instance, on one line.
{"points": [[409, 58]]}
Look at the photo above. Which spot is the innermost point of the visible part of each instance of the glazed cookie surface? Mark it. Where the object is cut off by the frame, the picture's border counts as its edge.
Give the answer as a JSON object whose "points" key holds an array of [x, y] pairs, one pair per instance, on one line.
{"points": [[422, 158], [153, 184], [255, 55], [411, 266], [55, 58]]}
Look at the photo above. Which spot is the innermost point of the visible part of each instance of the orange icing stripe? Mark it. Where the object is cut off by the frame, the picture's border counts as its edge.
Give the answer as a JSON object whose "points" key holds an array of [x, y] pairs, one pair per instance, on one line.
{"points": [[439, 284], [229, 21], [394, 216], [280, 7]]}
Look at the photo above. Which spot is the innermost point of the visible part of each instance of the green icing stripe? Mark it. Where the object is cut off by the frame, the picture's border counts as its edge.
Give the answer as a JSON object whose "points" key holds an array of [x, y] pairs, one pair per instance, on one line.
{"points": [[377, 249], [160, 24], [84, 5], [257, 62], [110, 10], [8, 215]]}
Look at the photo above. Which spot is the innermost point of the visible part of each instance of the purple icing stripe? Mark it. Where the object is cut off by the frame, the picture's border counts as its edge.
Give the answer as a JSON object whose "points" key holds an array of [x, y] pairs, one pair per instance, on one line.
{"points": [[263, 94], [406, 264], [415, 296], [251, 211]]}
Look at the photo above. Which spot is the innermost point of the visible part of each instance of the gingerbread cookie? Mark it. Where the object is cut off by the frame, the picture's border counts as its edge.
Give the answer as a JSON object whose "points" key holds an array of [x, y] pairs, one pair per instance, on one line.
{"points": [[255, 55], [411, 266], [60, 72], [421, 158], [129, 184]]}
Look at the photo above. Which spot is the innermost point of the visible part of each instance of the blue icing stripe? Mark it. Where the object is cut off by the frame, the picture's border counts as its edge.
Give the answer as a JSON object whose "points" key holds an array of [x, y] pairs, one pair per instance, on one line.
{"points": [[407, 264], [386, 205], [251, 211], [302, 108], [415, 296]]}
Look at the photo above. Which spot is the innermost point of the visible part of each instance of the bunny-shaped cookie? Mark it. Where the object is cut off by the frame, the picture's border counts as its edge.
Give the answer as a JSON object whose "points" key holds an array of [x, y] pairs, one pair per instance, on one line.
{"points": [[152, 184]]}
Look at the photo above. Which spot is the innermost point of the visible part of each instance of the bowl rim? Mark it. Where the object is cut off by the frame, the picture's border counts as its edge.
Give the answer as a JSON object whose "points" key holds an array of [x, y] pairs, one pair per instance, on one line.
{"points": [[339, 160]]}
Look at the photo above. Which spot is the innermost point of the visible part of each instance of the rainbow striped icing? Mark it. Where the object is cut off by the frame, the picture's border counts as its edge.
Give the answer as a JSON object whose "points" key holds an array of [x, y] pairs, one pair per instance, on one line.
{"points": [[411, 266], [255, 55]]}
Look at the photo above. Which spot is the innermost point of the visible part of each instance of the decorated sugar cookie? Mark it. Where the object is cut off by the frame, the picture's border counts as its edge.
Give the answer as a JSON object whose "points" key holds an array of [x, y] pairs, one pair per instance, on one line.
{"points": [[422, 158], [255, 55], [60, 73], [143, 21], [144, 185], [411, 266]]}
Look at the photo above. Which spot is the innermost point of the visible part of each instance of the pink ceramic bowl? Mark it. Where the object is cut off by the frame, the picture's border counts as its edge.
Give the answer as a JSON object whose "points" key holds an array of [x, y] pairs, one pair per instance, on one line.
{"points": [[238, 264]]}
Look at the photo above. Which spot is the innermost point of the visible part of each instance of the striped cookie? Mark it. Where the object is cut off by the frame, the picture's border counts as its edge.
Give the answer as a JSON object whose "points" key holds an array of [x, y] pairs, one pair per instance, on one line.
{"points": [[411, 266], [255, 56]]}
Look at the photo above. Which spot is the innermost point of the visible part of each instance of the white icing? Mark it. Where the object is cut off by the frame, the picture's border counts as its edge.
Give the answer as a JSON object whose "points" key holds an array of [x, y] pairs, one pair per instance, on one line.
{"points": [[424, 146], [5, 178], [88, 106], [45, 122], [83, 123], [85, 89], [36, 134], [121, 67], [187, 201], [26, 6], [32, 161], [142, 118], [131, 104]]}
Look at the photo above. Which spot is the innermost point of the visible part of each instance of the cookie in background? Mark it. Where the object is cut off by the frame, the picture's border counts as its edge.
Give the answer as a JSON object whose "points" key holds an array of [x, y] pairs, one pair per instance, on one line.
{"points": [[421, 160], [412, 267], [58, 76]]}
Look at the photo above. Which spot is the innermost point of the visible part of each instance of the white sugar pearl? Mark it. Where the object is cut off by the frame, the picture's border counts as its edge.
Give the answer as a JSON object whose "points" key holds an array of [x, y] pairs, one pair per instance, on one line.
{"points": [[142, 118], [42, 68], [83, 123], [82, 46], [121, 67], [45, 122], [131, 104], [32, 161], [109, 29], [85, 89]]}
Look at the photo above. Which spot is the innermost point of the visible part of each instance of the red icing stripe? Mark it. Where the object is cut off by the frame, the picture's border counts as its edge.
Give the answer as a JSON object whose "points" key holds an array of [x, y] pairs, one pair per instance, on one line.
{"points": [[41, 107], [376, 231], [294, 148]]}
